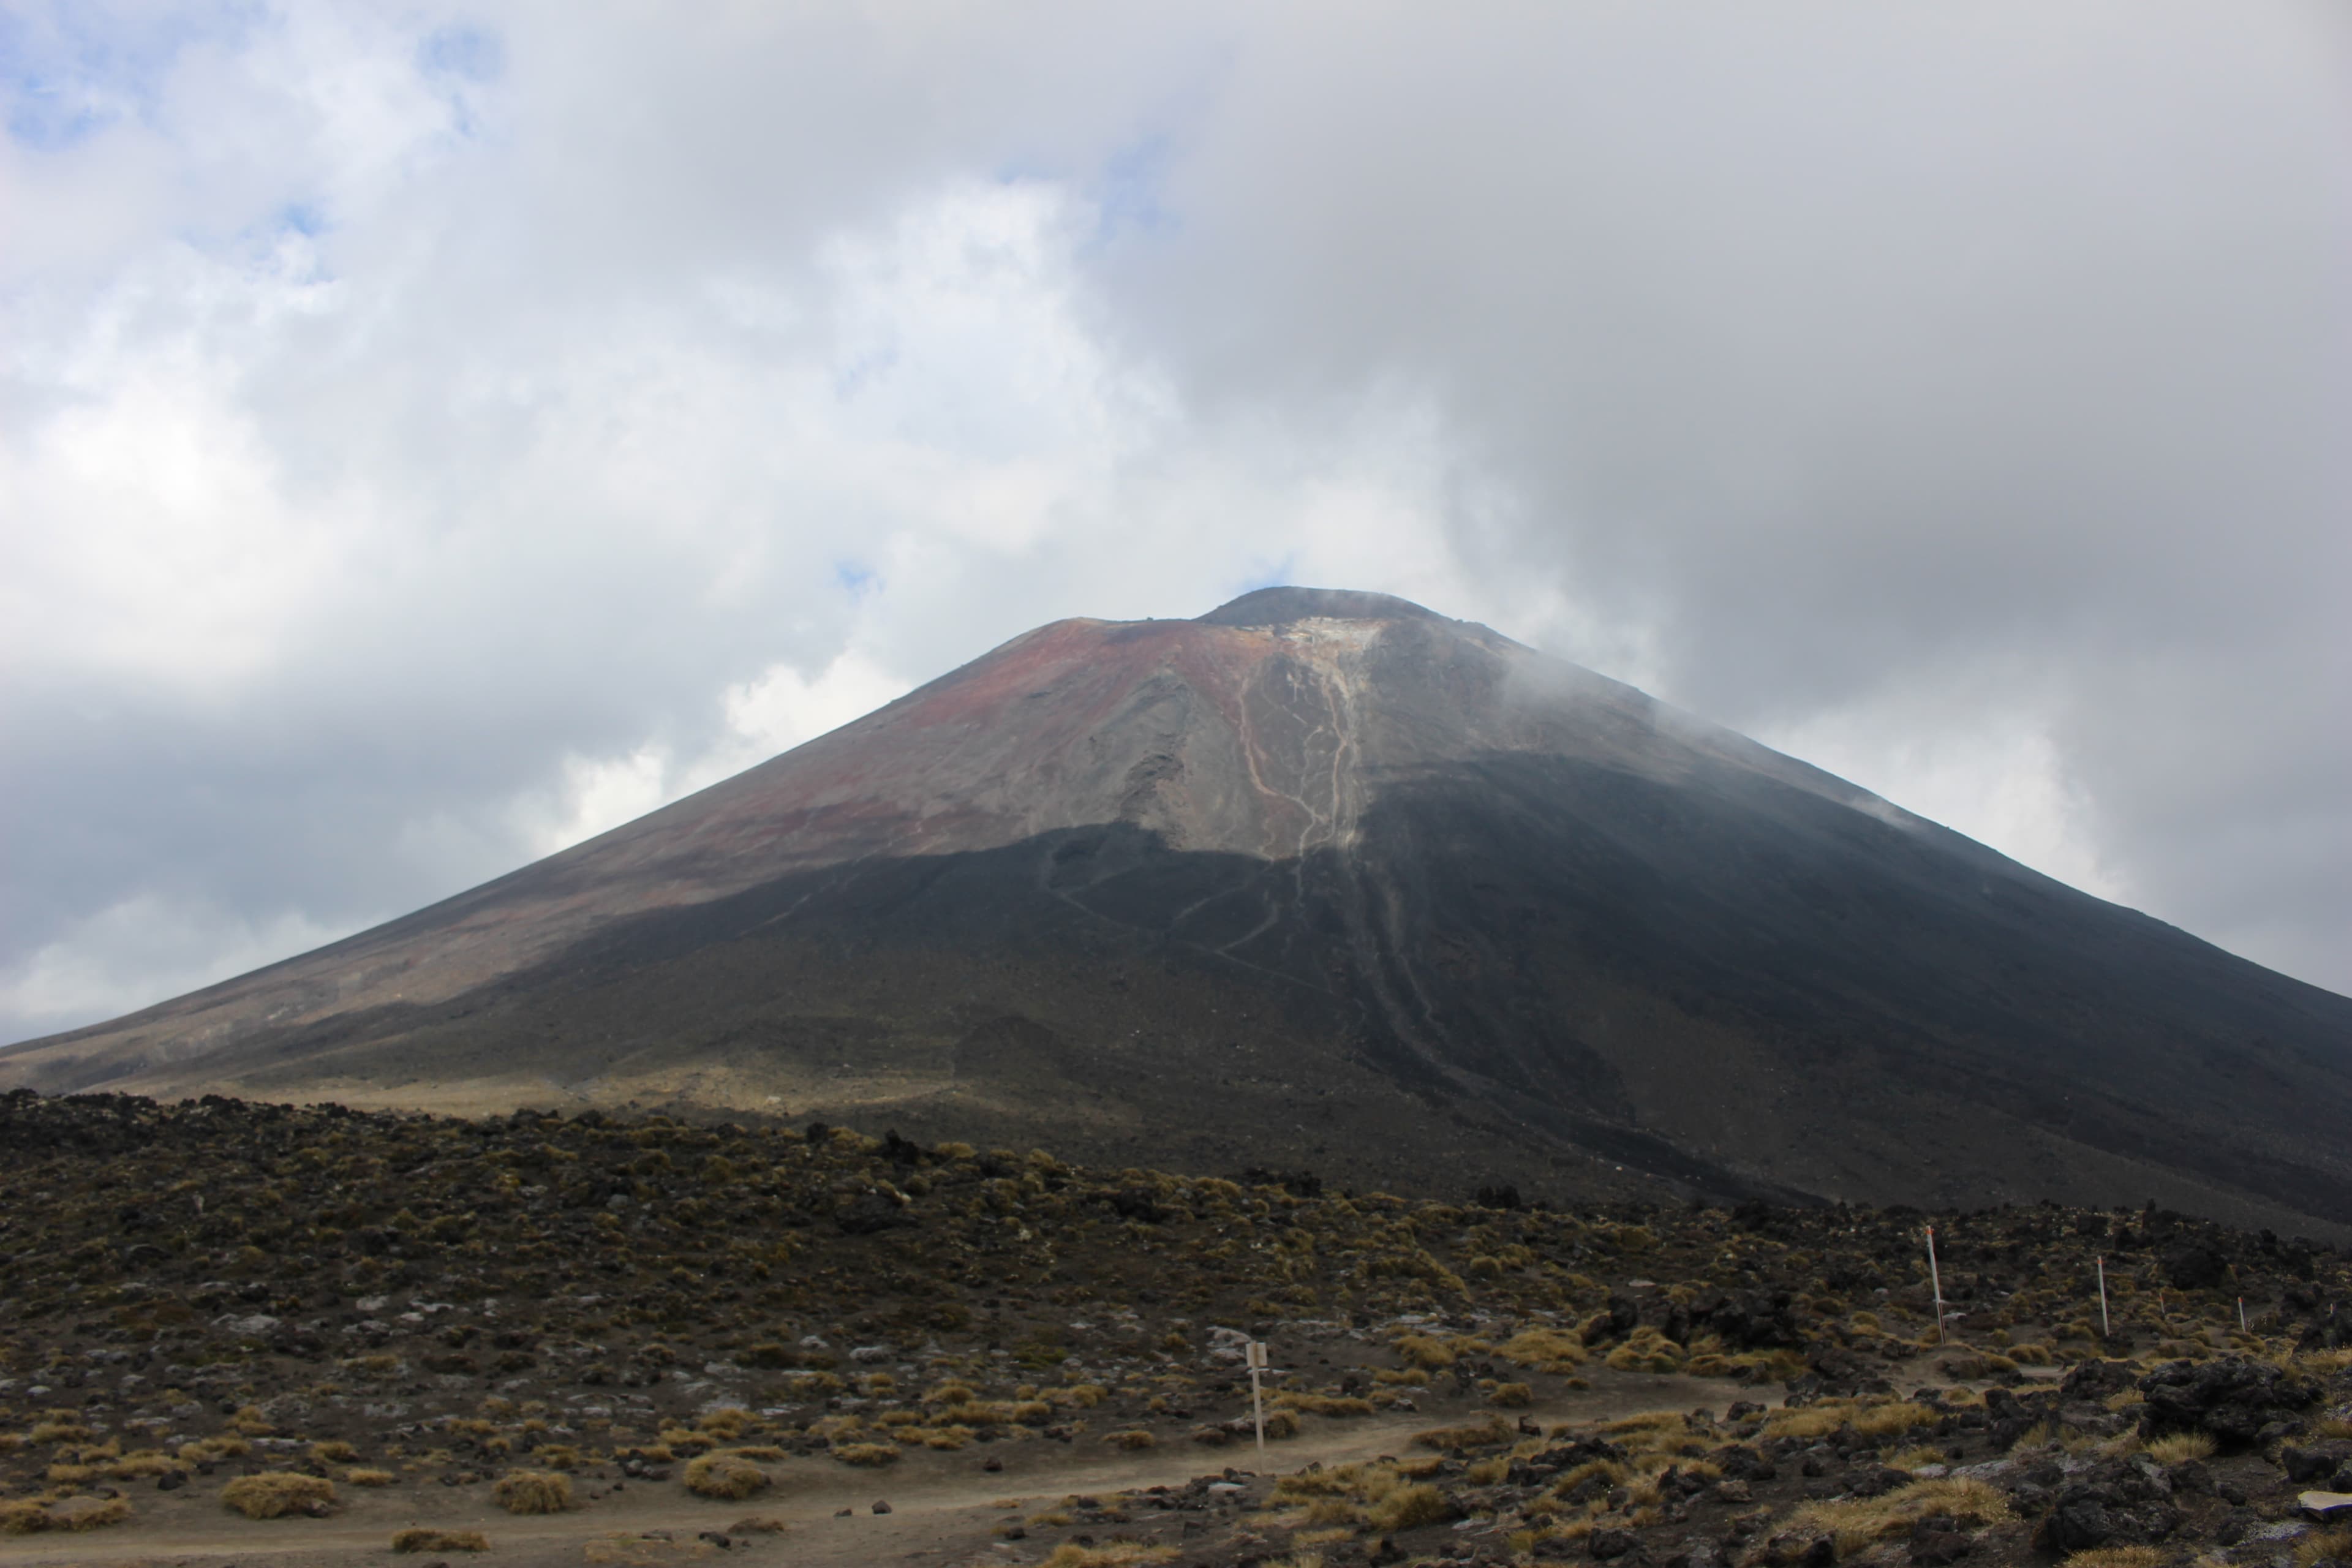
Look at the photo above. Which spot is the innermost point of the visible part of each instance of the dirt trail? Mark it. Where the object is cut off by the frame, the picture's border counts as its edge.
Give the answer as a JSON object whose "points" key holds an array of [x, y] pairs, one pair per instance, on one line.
{"points": [[943, 1505]]}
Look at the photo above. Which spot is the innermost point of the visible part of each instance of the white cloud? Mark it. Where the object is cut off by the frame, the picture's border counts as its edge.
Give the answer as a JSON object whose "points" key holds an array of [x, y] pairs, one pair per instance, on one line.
{"points": [[1997, 774], [142, 950], [428, 437]]}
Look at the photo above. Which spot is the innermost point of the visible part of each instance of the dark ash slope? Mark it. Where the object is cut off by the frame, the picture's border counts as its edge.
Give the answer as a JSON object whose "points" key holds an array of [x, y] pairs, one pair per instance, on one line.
{"points": [[1324, 879]]}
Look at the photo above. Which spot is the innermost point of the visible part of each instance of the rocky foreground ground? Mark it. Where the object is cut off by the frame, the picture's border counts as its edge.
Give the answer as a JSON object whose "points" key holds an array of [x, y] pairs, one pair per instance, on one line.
{"points": [[224, 1325]]}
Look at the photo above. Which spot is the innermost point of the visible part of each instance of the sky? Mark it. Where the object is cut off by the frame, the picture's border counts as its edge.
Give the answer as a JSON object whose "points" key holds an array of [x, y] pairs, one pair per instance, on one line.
{"points": [[431, 434]]}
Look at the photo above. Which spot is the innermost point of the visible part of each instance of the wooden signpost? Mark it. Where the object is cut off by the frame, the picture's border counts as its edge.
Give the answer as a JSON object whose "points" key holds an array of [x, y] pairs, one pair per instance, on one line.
{"points": [[1257, 1365], [1936, 1277]]}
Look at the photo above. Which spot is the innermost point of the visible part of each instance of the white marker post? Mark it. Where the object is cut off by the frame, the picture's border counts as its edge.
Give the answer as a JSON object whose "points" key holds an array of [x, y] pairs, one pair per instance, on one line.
{"points": [[2102, 1265], [1936, 1277], [2241, 1317], [1256, 1356]]}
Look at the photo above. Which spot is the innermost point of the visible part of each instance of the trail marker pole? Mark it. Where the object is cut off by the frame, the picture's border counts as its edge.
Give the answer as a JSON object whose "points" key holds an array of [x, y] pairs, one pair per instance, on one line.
{"points": [[1256, 1356], [1936, 1277], [2241, 1317], [2102, 1265]]}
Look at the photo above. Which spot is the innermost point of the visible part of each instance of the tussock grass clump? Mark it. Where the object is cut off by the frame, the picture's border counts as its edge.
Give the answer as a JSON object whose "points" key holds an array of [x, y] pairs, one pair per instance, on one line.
{"points": [[73, 1513], [1453, 1439], [1512, 1396], [368, 1478], [204, 1448], [58, 1432], [2324, 1546], [1546, 1350], [2180, 1447], [1424, 1351], [2115, 1557], [423, 1540], [1116, 1554], [729, 1476], [1886, 1419], [334, 1453], [1856, 1522], [534, 1491], [1609, 1471], [1911, 1459], [277, 1494], [1323, 1404], [1408, 1508], [866, 1456], [727, 1423], [1133, 1438], [1647, 1350]]}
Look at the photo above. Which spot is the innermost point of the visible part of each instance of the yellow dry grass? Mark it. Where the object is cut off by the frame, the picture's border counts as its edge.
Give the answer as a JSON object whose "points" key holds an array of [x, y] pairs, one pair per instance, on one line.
{"points": [[1880, 1421], [277, 1494], [866, 1456], [76, 1513], [1133, 1438], [1407, 1508], [2115, 1557], [368, 1477], [726, 1475], [2180, 1447], [1116, 1554], [1546, 1350], [1453, 1439], [1647, 1350], [534, 1491], [1856, 1522], [2324, 1546]]}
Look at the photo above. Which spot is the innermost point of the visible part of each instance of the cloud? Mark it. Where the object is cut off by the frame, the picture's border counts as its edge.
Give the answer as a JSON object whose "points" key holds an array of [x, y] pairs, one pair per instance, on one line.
{"points": [[433, 437]]}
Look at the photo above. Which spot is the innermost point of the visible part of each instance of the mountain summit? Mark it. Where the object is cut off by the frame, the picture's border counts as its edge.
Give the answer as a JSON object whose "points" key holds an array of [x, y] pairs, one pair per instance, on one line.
{"points": [[1321, 881]]}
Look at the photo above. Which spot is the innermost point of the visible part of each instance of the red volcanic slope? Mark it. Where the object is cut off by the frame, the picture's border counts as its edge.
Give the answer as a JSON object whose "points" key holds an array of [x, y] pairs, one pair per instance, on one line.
{"points": [[1258, 730]]}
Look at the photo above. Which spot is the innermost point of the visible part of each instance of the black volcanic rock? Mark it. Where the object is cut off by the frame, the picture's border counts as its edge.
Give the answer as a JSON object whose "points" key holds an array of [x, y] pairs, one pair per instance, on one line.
{"points": [[1323, 882]]}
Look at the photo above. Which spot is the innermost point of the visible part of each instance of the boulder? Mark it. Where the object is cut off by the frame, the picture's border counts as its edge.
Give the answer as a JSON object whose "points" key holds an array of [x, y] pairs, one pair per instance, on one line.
{"points": [[2118, 1503], [2196, 1265], [2235, 1400]]}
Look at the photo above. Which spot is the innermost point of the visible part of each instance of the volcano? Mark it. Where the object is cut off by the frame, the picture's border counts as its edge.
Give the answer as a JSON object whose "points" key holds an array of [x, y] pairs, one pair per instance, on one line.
{"points": [[1321, 882]]}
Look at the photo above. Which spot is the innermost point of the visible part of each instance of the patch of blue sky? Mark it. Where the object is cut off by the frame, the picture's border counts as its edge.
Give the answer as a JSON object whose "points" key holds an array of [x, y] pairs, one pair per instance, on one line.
{"points": [[854, 577], [1129, 192], [459, 63], [70, 69], [472, 54]]}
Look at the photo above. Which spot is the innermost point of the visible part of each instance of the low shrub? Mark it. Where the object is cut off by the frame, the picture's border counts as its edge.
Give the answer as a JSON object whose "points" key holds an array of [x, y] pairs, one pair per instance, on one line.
{"points": [[868, 1455], [534, 1491], [277, 1494], [1408, 1508], [729, 1476]]}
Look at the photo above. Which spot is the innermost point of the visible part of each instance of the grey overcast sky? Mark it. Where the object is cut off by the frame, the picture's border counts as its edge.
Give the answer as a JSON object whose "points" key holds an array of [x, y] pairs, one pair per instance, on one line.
{"points": [[433, 433]]}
